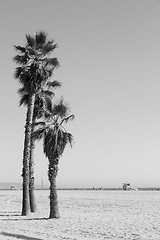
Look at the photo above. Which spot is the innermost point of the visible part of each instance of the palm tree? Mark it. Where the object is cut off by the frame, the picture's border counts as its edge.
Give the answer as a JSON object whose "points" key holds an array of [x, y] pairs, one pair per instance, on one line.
{"points": [[41, 98], [35, 68], [55, 138]]}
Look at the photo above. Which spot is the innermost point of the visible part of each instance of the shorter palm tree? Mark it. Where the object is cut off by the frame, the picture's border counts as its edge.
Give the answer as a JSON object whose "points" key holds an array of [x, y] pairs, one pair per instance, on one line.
{"points": [[55, 138]]}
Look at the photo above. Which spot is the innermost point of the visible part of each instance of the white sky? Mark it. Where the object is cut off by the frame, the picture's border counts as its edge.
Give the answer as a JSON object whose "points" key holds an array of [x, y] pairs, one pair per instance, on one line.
{"points": [[109, 52]]}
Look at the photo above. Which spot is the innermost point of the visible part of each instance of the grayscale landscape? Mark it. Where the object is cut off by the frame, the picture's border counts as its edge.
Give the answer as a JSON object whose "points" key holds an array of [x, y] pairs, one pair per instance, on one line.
{"points": [[80, 120]]}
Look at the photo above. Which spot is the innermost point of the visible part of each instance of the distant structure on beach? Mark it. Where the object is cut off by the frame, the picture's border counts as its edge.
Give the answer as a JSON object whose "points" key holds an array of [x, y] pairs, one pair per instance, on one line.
{"points": [[127, 187], [12, 187]]}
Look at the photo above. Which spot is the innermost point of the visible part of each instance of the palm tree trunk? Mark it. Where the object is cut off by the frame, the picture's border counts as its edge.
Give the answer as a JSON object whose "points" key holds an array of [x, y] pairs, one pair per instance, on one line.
{"points": [[52, 174], [32, 198], [26, 156]]}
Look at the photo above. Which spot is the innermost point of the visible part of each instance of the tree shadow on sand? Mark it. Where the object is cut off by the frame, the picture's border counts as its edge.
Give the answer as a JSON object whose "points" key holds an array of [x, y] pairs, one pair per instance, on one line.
{"points": [[23, 219], [19, 236]]}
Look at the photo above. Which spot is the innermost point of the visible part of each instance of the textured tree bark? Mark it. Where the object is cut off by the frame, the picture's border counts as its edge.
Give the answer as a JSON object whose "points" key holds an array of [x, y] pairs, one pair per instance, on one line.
{"points": [[32, 198], [52, 174], [26, 156]]}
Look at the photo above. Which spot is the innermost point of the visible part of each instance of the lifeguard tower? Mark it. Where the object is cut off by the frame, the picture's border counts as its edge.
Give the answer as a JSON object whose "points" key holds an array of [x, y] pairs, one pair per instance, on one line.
{"points": [[126, 186]]}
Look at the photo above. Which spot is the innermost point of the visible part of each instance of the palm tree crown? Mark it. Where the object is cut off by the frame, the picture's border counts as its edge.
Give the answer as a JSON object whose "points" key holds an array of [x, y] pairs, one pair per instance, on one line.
{"points": [[52, 130], [35, 67]]}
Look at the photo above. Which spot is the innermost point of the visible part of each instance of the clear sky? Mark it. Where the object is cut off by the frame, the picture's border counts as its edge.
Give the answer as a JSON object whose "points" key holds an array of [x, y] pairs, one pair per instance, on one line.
{"points": [[109, 54]]}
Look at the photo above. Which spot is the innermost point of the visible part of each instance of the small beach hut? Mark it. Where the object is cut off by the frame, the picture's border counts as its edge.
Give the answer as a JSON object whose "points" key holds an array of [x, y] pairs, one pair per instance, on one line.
{"points": [[126, 186]]}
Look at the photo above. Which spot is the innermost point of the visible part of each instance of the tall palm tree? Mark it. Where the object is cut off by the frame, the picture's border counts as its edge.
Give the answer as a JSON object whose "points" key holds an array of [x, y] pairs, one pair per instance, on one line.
{"points": [[41, 98], [55, 138], [35, 68]]}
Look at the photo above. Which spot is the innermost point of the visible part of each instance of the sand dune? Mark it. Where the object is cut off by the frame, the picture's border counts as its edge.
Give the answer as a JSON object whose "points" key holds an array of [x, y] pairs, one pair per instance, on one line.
{"points": [[84, 215]]}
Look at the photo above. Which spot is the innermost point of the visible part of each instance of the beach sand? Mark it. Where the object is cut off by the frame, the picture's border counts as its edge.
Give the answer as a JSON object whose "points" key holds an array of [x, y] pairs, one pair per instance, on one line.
{"points": [[84, 215]]}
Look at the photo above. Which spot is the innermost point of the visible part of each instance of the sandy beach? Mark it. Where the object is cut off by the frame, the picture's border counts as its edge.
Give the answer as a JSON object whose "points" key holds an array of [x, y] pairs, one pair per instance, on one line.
{"points": [[84, 215]]}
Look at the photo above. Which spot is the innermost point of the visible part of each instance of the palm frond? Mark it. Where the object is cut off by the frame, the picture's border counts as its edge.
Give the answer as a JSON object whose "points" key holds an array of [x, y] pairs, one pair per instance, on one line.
{"points": [[40, 38], [24, 100], [30, 51], [70, 139], [49, 47], [49, 93], [22, 78], [25, 80], [61, 109], [54, 84], [18, 72], [21, 91], [17, 59], [53, 62], [21, 59], [30, 40], [66, 119], [24, 96], [63, 139], [38, 134], [21, 49]]}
